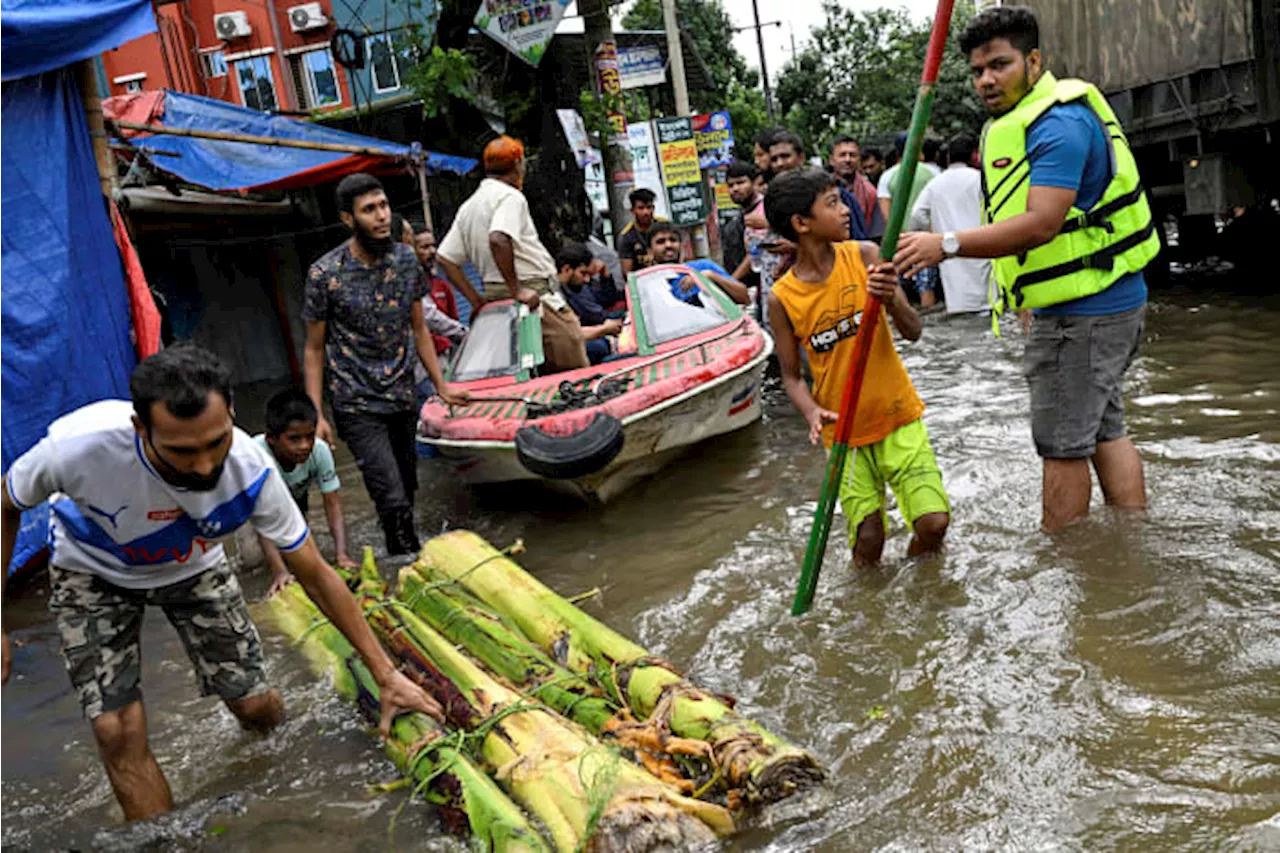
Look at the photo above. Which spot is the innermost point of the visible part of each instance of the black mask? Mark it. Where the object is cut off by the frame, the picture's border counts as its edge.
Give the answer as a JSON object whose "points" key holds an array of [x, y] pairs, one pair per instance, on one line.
{"points": [[374, 246], [185, 480]]}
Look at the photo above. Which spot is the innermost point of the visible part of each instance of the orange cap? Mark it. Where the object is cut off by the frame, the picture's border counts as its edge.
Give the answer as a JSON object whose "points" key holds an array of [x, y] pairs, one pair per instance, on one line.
{"points": [[502, 154]]}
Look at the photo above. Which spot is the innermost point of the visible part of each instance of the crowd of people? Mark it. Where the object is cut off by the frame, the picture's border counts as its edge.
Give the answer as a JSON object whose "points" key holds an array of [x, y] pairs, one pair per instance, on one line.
{"points": [[145, 490]]}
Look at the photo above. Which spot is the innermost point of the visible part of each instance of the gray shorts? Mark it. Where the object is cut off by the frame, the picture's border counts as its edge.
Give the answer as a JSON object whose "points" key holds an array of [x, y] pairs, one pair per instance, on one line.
{"points": [[1075, 366], [100, 625]]}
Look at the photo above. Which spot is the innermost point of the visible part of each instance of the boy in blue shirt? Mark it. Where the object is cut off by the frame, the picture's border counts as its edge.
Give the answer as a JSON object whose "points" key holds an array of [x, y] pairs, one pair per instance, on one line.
{"points": [[302, 461]]}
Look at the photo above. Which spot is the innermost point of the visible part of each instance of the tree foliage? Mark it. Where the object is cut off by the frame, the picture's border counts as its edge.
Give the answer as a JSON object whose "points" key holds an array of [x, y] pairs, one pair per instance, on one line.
{"points": [[737, 85], [860, 73]]}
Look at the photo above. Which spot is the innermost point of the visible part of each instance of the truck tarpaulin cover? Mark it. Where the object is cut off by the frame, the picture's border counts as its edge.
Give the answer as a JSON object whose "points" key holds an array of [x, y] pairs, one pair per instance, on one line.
{"points": [[41, 35], [1120, 44], [225, 165], [64, 310]]}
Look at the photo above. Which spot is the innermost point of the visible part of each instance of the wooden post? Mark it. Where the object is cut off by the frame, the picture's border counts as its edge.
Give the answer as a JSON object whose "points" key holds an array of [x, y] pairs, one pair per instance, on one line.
{"points": [[426, 199], [106, 161], [223, 136]]}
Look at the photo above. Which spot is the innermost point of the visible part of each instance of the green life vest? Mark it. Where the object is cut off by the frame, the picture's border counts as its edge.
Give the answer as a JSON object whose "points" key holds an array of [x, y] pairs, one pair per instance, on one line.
{"points": [[1095, 247]]}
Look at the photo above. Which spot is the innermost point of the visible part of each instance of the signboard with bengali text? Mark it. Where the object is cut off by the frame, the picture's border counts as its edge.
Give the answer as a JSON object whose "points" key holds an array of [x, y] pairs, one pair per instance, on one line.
{"points": [[713, 133], [681, 174], [641, 65]]}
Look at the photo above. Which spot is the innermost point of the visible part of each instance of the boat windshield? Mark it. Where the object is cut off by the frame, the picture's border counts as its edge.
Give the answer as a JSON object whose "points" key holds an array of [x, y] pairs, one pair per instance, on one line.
{"points": [[669, 311], [491, 347]]}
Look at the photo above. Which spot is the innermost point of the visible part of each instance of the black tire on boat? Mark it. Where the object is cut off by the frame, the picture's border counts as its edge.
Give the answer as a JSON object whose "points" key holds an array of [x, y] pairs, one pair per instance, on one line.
{"points": [[565, 457]]}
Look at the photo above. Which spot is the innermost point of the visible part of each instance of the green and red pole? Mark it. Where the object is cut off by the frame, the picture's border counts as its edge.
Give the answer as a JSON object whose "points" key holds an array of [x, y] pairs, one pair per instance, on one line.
{"points": [[871, 315]]}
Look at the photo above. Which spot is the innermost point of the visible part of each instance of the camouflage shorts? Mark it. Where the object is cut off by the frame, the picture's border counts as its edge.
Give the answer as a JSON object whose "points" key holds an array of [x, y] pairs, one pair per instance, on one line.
{"points": [[100, 623]]}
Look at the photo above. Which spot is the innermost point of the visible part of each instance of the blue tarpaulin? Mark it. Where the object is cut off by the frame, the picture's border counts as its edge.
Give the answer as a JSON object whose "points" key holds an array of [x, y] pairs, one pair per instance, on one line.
{"points": [[41, 35], [64, 308], [224, 165]]}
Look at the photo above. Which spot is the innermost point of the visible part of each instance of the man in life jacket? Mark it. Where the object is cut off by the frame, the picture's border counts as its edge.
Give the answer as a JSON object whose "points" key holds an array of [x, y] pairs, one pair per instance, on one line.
{"points": [[1069, 231]]}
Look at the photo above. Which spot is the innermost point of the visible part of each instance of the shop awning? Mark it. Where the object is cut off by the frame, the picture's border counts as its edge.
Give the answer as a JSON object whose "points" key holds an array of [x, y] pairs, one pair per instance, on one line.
{"points": [[287, 153]]}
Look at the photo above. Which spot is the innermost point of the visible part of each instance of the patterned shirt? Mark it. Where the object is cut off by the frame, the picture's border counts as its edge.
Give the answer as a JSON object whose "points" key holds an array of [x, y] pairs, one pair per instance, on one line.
{"points": [[367, 312]]}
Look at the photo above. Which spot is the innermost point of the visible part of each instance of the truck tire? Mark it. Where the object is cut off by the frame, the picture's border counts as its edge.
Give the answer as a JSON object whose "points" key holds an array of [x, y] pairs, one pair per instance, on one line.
{"points": [[567, 457]]}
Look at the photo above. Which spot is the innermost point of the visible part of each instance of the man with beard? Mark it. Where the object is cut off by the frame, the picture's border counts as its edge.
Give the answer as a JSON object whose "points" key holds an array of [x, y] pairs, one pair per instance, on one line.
{"points": [[668, 248], [142, 497], [1070, 234], [365, 323]]}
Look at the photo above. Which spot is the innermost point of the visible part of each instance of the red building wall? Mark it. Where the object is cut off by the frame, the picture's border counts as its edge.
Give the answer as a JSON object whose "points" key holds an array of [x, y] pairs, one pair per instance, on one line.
{"points": [[171, 57]]}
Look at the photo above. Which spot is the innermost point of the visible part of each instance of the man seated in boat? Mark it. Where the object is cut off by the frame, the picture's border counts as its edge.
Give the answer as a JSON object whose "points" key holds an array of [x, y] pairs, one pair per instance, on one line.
{"points": [[573, 262], [665, 243]]}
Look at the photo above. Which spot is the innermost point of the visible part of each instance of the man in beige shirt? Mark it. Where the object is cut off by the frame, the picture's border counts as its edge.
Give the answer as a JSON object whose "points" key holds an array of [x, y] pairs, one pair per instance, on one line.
{"points": [[493, 230]]}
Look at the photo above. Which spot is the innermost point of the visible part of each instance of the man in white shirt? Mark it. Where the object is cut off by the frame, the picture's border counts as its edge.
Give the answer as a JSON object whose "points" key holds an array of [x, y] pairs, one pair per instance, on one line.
{"points": [[493, 229], [949, 203], [142, 498]]}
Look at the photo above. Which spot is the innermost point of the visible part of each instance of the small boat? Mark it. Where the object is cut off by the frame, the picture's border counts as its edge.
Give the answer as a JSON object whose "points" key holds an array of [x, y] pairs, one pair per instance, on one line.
{"points": [[689, 367]]}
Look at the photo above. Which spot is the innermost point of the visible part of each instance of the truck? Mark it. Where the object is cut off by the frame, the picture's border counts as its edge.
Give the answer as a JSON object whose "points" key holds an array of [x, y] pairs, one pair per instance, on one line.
{"points": [[1196, 85]]}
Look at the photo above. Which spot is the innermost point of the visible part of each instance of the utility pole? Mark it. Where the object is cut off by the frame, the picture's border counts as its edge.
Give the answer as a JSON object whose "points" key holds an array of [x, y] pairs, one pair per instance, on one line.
{"points": [[616, 149], [675, 54], [764, 69]]}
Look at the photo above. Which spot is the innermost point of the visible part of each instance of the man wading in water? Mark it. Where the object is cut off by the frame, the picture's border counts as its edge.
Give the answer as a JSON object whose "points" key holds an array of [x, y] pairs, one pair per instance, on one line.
{"points": [[1071, 232], [144, 497]]}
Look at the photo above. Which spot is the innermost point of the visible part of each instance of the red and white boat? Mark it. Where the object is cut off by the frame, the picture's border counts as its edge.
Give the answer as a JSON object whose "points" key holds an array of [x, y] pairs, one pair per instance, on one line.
{"points": [[688, 371]]}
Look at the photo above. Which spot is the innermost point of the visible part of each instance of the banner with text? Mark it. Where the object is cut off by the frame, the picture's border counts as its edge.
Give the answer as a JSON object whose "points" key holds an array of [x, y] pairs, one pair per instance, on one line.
{"points": [[609, 83], [641, 65], [523, 27], [713, 134], [644, 163], [681, 173]]}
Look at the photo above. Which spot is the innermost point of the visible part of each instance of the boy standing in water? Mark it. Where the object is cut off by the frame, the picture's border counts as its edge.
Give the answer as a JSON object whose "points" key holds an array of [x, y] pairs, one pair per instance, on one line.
{"points": [[818, 305], [301, 460]]}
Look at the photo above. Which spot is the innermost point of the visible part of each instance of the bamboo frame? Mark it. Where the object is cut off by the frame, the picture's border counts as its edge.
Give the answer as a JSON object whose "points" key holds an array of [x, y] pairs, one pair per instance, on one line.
{"points": [[223, 136]]}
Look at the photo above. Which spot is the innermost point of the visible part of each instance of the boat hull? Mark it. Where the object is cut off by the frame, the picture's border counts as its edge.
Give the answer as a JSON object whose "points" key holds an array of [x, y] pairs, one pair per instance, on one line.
{"points": [[653, 437]]}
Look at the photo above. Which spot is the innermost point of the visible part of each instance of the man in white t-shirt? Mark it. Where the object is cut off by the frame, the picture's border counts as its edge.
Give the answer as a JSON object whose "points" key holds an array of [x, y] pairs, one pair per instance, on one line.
{"points": [[493, 230], [949, 203], [142, 497]]}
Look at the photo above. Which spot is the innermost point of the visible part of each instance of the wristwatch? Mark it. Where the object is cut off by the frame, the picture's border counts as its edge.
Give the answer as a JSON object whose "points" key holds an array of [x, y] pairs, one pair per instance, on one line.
{"points": [[950, 244]]}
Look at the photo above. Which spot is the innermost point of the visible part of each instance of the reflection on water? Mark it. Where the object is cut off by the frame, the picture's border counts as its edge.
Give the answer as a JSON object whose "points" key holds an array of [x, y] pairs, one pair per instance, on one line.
{"points": [[1114, 688]]}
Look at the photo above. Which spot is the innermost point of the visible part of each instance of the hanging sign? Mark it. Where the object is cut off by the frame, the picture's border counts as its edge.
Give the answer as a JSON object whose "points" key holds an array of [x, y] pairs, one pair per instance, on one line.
{"points": [[641, 65], [523, 27], [713, 134], [644, 162], [680, 171], [575, 133]]}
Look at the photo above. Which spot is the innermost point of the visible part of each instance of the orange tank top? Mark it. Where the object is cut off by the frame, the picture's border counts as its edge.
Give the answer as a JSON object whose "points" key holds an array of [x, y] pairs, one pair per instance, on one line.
{"points": [[825, 318]]}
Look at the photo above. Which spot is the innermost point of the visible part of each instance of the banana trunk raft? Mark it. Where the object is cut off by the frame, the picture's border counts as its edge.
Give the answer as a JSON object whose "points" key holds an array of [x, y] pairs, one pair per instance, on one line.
{"points": [[560, 734]]}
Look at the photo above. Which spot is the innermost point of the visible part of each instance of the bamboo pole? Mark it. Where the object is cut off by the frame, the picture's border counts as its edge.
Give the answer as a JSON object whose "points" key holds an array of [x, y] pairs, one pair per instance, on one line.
{"points": [[87, 80], [871, 315], [426, 198], [223, 136]]}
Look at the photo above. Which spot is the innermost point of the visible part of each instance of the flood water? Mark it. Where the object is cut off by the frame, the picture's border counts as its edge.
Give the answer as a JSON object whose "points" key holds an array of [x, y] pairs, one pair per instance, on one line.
{"points": [[1114, 688]]}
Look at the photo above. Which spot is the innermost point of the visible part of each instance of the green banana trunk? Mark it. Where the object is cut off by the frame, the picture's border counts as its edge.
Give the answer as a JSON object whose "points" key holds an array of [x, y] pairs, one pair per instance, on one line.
{"points": [[757, 766], [586, 795], [469, 800], [473, 625], [505, 651]]}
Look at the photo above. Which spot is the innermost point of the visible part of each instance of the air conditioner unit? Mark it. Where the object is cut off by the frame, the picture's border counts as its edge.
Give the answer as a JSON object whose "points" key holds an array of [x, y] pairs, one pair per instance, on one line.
{"points": [[308, 16], [232, 25]]}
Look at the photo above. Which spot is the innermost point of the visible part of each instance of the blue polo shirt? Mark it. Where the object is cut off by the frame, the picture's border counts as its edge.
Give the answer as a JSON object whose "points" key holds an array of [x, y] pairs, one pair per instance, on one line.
{"points": [[1067, 148]]}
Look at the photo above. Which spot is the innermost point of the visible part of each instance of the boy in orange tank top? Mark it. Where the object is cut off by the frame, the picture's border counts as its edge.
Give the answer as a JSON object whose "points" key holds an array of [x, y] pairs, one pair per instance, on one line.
{"points": [[818, 305]]}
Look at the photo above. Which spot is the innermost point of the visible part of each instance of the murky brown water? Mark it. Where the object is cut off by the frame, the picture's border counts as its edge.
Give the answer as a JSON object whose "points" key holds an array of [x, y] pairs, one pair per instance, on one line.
{"points": [[1117, 688]]}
